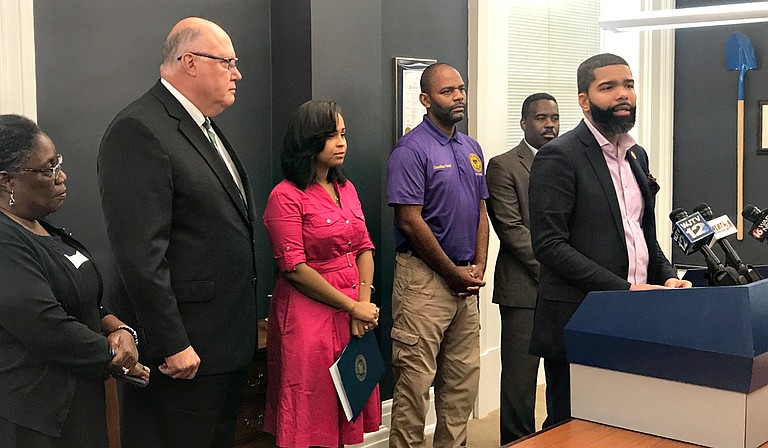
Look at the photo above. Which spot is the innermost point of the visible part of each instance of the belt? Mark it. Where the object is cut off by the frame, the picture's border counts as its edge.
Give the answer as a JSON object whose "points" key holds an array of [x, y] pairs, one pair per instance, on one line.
{"points": [[457, 263]]}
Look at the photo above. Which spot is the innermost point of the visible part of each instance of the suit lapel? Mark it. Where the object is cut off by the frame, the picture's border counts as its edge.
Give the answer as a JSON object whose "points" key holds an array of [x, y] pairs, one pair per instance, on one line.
{"points": [[526, 156], [204, 147], [248, 199], [639, 173], [596, 158], [642, 180]]}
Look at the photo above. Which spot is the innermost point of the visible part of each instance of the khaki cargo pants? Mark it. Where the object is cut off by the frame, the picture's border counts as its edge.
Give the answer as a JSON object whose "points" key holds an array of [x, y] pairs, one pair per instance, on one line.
{"points": [[435, 336]]}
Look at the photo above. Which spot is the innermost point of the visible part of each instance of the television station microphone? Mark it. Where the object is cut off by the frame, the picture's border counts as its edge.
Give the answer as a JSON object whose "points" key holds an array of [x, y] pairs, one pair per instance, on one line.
{"points": [[759, 220], [723, 227], [692, 234]]}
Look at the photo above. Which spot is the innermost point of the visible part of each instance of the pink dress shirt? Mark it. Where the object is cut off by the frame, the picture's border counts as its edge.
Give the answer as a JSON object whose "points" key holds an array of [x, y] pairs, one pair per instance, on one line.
{"points": [[630, 202]]}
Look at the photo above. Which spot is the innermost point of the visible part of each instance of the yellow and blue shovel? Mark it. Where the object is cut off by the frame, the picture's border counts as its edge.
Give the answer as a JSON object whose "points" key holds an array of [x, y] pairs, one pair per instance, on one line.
{"points": [[740, 55]]}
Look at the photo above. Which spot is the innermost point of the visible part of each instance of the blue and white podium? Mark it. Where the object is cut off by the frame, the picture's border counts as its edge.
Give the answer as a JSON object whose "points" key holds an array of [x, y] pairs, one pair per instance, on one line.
{"points": [[687, 364]]}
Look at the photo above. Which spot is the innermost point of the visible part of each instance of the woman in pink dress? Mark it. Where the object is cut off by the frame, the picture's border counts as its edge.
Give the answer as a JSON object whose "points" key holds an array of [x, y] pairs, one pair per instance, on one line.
{"points": [[322, 296]]}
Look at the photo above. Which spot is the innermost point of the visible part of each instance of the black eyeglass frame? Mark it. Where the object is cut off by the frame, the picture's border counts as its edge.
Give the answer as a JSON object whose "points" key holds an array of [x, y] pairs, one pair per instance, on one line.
{"points": [[231, 62], [55, 170]]}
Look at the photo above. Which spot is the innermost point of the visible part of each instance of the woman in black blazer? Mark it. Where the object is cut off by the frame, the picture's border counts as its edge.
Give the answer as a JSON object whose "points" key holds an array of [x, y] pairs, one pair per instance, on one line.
{"points": [[57, 344]]}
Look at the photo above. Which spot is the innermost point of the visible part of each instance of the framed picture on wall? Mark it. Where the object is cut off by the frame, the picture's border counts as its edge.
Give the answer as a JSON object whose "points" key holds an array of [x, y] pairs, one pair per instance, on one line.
{"points": [[762, 127], [408, 109]]}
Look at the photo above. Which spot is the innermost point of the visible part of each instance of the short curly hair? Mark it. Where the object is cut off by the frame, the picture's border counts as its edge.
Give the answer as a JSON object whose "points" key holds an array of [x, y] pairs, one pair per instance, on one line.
{"points": [[18, 140]]}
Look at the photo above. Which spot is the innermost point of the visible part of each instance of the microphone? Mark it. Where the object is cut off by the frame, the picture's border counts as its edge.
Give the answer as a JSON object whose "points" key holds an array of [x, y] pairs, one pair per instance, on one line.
{"points": [[759, 220], [692, 234], [723, 227]]}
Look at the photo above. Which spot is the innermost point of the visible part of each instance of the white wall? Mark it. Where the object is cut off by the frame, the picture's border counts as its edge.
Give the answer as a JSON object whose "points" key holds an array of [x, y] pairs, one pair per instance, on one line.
{"points": [[17, 58]]}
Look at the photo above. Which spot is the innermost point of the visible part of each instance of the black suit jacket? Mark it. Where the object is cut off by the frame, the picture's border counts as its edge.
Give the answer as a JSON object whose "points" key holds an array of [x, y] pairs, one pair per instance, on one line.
{"points": [[517, 271], [182, 238], [577, 231]]}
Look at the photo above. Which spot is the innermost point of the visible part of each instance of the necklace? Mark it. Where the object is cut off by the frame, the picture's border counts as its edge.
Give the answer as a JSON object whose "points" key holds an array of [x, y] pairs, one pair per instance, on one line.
{"points": [[331, 190]]}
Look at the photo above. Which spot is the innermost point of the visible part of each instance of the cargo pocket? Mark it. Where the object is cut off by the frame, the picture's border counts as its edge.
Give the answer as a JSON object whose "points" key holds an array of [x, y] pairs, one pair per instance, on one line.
{"points": [[406, 351]]}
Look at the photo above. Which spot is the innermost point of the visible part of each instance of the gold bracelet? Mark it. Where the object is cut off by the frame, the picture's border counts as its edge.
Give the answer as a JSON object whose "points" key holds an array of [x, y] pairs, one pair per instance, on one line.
{"points": [[373, 289]]}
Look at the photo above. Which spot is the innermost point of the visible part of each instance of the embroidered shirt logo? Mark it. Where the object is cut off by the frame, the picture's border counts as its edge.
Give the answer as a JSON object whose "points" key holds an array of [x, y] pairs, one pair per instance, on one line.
{"points": [[442, 166], [477, 164]]}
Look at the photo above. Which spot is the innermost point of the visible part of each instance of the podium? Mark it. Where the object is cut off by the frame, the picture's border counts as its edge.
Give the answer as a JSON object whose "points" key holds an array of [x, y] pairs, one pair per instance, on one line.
{"points": [[686, 364]]}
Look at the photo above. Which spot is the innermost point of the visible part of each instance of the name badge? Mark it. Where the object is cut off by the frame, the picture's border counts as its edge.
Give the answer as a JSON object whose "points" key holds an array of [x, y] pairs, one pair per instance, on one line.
{"points": [[77, 259]]}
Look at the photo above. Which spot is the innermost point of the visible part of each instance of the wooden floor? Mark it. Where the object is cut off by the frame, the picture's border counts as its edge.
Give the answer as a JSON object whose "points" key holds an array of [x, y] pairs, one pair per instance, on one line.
{"points": [[580, 434]]}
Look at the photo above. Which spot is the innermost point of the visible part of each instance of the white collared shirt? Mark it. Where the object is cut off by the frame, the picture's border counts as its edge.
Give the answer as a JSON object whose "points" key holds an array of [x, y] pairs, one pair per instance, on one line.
{"points": [[533, 150], [199, 119]]}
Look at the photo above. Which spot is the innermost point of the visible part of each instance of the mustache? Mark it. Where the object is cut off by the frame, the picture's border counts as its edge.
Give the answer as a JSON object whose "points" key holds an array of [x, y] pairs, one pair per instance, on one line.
{"points": [[621, 105]]}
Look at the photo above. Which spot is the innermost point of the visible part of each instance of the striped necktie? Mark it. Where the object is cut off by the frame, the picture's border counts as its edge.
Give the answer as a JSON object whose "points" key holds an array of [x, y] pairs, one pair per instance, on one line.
{"points": [[226, 158], [209, 131]]}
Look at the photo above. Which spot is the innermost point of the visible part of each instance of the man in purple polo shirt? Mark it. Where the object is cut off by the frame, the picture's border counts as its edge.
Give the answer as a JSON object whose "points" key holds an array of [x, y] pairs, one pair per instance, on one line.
{"points": [[438, 190], [592, 217]]}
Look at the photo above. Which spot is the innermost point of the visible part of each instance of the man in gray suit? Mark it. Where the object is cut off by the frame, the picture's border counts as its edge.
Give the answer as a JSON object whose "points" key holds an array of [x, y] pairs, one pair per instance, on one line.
{"points": [[517, 271]]}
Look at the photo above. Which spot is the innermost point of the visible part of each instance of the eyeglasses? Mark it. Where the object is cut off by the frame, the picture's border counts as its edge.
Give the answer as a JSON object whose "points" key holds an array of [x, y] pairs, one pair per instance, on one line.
{"points": [[52, 171], [231, 62]]}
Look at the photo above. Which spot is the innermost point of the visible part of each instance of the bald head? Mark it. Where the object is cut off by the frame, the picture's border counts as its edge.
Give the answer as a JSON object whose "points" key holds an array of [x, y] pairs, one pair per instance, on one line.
{"points": [[185, 34], [199, 61], [429, 74]]}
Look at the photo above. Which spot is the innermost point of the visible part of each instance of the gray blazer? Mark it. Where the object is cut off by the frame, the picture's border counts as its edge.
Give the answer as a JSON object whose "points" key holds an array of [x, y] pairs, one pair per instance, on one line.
{"points": [[517, 271]]}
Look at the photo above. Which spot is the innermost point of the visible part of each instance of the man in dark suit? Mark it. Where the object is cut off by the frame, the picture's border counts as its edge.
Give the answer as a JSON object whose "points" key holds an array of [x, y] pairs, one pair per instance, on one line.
{"points": [[517, 271], [180, 224], [592, 217]]}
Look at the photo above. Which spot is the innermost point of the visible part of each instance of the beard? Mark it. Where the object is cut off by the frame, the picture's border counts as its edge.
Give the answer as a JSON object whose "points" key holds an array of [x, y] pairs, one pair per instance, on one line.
{"points": [[611, 124], [447, 114]]}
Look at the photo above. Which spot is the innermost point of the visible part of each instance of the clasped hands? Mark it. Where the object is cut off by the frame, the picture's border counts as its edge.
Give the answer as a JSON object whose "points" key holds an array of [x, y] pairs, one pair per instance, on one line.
{"points": [[365, 317], [466, 281]]}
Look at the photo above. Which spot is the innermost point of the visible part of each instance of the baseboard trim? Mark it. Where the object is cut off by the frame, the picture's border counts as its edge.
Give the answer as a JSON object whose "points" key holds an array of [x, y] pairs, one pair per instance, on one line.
{"points": [[380, 438]]}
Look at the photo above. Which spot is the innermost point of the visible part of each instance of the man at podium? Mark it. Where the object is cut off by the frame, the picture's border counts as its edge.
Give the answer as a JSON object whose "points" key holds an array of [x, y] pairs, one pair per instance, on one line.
{"points": [[592, 217]]}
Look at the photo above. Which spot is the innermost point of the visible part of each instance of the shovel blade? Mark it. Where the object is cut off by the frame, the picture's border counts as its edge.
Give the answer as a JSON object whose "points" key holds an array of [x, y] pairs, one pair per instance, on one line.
{"points": [[740, 55]]}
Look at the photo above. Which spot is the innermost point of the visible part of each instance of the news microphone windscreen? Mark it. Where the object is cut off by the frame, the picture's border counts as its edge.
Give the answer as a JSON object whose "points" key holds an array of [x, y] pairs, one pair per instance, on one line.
{"points": [[705, 210], [759, 220], [691, 232], [751, 213], [677, 214]]}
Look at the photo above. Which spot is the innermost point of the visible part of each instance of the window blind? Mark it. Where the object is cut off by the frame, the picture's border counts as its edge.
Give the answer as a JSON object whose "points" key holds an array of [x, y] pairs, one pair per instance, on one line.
{"points": [[547, 40]]}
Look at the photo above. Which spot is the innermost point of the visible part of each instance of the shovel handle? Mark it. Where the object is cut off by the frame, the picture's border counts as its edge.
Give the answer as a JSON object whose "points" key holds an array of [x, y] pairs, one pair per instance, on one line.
{"points": [[740, 172]]}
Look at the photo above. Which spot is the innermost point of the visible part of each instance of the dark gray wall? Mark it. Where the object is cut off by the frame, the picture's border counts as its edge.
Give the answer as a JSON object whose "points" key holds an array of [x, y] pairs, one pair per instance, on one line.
{"points": [[434, 29], [343, 49], [94, 57], [705, 127], [291, 67]]}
